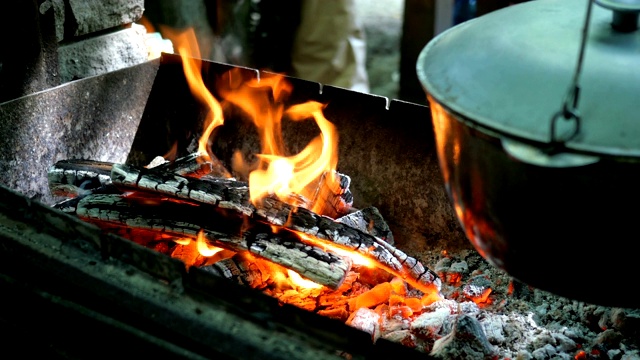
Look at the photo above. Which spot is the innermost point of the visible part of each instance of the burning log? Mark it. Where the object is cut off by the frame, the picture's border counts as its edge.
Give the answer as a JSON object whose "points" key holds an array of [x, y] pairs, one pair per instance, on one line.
{"points": [[234, 195], [195, 164], [70, 178], [74, 177], [70, 205], [333, 195], [369, 220], [175, 204], [222, 193], [186, 220], [333, 232]]}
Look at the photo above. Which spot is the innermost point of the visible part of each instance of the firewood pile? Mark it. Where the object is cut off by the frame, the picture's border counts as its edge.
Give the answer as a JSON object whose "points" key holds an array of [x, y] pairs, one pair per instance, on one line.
{"points": [[191, 209]]}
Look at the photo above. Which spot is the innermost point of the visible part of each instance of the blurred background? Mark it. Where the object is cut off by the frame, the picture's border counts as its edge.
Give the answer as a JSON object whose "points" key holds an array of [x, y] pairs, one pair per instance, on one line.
{"points": [[363, 45]]}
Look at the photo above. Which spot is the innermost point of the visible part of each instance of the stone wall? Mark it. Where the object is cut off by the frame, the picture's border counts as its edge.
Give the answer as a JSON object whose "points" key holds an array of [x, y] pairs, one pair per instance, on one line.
{"points": [[46, 43], [97, 36]]}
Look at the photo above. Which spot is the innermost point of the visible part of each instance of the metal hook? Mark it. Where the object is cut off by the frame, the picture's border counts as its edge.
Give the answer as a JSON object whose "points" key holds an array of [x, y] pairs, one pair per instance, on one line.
{"points": [[570, 104], [565, 114]]}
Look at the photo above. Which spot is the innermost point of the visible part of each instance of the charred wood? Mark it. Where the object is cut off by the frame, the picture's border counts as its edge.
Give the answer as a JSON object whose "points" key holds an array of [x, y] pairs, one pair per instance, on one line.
{"points": [[222, 230], [223, 193], [333, 197], [231, 197], [70, 205], [234, 195], [99, 282], [369, 220], [334, 232], [70, 178], [228, 269], [195, 164]]}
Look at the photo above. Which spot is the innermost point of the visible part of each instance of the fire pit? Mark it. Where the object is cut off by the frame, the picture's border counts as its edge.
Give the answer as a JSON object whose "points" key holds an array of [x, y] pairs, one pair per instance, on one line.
{"points": [[58, 268]]}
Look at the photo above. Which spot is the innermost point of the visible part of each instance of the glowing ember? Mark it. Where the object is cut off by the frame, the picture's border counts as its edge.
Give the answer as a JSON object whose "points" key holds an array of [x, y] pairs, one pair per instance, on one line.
{"points": [[377, 295], [358, 258], [182, 241]]}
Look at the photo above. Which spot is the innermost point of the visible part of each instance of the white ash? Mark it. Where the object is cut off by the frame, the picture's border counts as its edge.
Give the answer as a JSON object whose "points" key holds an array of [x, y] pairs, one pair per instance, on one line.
{"points": [[157, 161], [515, 321], [459, 267], [366, 320], [520, 322], [466, 341]]}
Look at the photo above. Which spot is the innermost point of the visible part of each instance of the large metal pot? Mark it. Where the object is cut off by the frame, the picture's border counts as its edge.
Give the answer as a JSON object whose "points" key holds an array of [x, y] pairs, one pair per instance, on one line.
{"points": [[545, 187]]}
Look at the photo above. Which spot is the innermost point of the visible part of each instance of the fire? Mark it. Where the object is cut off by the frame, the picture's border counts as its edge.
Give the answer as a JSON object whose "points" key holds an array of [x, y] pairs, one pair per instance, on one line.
{"points": [[187, 46], [357, 258], [282, 277], [276, 173], [205, 249], [182, 241], [431, 293], [482, 297], [288, 177], [301, 282], [297, 179]]}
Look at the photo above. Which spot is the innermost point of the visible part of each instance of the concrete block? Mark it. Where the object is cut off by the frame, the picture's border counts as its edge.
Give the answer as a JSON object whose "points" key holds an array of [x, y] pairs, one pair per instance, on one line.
{"points": [[81, 17], [104, 53]]}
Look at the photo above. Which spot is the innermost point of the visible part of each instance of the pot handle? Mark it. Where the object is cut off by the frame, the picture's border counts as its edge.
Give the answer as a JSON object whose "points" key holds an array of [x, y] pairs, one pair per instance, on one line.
{"points": [[569, 109], [538, 156], [554, 155]]}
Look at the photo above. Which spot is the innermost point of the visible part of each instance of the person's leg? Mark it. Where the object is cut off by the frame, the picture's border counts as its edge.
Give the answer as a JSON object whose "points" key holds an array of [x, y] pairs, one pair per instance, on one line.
{"points": [[329, 46]]}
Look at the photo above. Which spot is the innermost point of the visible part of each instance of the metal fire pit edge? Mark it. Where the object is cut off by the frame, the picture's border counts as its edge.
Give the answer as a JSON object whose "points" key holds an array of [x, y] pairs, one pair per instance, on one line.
{"points": [[94, 118], [386, 146]]}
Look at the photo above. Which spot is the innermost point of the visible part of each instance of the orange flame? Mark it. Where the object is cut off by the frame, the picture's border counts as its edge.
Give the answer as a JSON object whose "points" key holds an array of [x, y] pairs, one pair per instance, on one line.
{"points": [[301, 282], [276, 173], [282, 277], [356, 257], [148, 26], [263, 100], [182, 241], [187, 46], [205, 249]]}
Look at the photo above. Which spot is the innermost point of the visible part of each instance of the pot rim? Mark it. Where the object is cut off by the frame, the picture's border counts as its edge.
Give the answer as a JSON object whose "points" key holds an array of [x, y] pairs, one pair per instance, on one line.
{"points": [[514, 83]]}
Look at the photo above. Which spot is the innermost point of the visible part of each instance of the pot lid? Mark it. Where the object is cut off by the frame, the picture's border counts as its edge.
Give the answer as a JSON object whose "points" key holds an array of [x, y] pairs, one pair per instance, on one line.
{"points": [[510, 71]]}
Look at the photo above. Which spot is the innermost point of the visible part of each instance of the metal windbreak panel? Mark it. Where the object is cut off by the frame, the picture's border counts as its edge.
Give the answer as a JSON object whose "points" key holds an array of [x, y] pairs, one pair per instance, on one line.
{"points": [[92, 118], [386, 147]]}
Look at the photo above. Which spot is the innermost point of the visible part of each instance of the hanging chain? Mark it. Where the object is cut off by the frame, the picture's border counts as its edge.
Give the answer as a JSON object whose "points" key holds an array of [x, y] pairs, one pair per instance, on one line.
{"points": [[569, 110]]}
